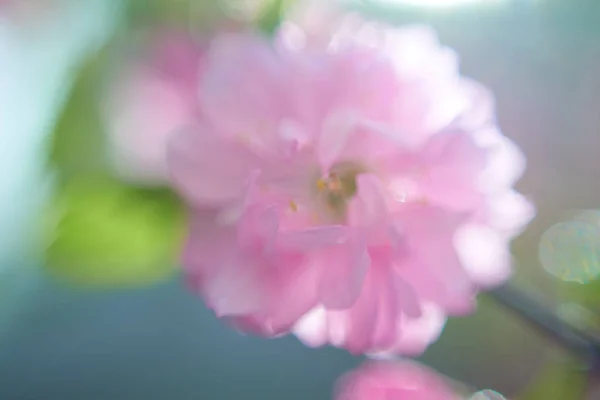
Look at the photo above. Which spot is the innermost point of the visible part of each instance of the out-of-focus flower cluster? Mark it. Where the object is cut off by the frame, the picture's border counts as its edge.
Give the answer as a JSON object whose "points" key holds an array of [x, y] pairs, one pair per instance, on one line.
{"points": [[389, 380], [151, 98]]}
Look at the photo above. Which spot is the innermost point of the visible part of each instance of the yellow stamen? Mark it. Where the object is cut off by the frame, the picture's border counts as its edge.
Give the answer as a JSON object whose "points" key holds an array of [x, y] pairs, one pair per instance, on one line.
{"points": [[321, 184], [293, 206], [422, 200]]}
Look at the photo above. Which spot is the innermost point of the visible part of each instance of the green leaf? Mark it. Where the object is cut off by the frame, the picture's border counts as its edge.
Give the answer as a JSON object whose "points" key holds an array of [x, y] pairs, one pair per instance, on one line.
{"points": [[102, 233], [560, 379]]}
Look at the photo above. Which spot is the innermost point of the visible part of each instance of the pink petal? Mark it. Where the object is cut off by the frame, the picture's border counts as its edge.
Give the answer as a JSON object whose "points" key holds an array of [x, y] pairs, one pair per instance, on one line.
{"points": [[245, 102], [481, 110], [418, 333], [207, 241], [388, 311], [236, 290], [346, 138], [368, 207], [228, 287], [336, 132], [257, 228], [364, 83], [295, 292], [312, 239], [268, 290], [505, 164], [344, 268], [433, 267], [407, 297], [451, 179], [312, 328], [207, 169], [509, 212], [361, 319], [484, 254]]}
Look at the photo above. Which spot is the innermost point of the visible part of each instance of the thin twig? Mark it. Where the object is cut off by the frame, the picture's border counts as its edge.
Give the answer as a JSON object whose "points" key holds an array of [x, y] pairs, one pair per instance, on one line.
{"points": [[584, 346]]}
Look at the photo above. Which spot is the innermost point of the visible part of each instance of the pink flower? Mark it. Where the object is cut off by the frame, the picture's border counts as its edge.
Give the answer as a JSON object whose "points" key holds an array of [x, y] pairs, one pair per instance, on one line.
{"points": [[152, 98], [339, 193], [390, 380]]}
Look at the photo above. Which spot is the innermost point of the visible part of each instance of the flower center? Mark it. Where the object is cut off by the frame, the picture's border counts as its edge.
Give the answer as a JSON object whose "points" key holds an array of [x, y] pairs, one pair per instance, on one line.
{"points": [[337, 188]]}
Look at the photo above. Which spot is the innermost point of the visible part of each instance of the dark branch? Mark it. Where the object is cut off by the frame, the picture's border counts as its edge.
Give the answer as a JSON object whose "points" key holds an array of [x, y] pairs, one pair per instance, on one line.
{"points": [[581, 344]]}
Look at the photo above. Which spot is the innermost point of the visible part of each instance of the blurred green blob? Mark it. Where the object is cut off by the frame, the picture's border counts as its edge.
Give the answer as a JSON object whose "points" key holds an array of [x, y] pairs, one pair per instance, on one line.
{"points": [[101, 233], [571, 251], [560, 379]]}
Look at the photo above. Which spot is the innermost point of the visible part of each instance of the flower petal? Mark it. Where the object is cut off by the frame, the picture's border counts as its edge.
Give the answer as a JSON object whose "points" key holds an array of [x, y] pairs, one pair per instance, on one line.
{"points": [[452, 171], [368, 207], [246, 102], [312, 328], [505, 164], [312, 239], [344, 268], [432, 266], [346, 137], [207, 169], [418, 333], [361, 318], [484, 254], [388, 311]]}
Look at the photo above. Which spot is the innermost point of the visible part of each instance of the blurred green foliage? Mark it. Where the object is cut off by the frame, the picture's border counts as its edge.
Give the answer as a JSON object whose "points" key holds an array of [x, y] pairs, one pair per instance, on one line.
{"points": [[561, 379], [103, 233]]}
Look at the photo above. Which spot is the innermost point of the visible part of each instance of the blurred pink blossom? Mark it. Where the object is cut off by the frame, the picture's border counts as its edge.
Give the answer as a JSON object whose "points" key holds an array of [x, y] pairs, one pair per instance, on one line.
{"points": [[151, 98], [393, 380], [350, 194]]}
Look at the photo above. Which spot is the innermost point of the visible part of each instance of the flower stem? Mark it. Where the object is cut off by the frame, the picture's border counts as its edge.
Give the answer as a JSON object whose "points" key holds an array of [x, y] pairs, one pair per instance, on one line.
{"points": [[584, 346]]}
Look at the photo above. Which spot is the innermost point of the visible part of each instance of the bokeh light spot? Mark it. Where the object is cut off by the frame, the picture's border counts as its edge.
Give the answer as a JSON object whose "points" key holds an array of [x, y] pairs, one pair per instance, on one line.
{"points": [[571, 251], [487, 395], [589, 216]]}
